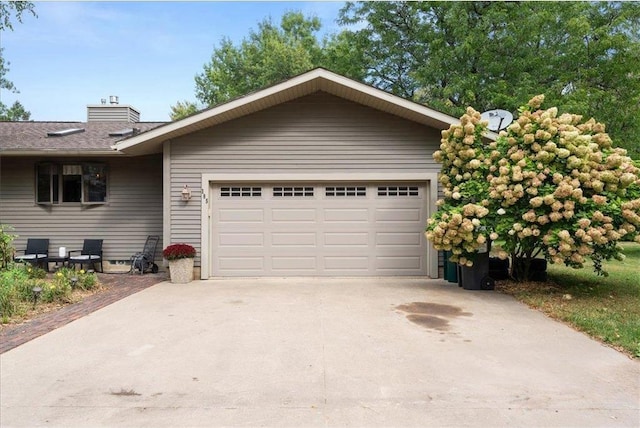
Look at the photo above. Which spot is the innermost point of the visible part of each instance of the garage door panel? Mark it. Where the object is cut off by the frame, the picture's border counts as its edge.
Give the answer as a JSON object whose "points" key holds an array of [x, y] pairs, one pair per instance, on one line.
{"points": [[293, 239], [241, 215], [398, 239], [342, 239], [291, 215], [346, 215], [241, 264], [289, 264], [241, 240], [347, 263], [335, 230], [410, 263], [397, 215]]}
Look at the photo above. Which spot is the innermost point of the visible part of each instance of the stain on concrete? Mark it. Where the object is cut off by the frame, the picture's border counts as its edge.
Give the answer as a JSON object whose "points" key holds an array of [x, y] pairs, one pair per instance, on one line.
{"points": [[435, 309], [125, 393], [428, 321], [434, 316]]}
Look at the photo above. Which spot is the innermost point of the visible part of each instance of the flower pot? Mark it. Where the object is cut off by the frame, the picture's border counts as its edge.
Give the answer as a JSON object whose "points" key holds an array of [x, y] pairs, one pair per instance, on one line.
{"points": [[181, 270]]}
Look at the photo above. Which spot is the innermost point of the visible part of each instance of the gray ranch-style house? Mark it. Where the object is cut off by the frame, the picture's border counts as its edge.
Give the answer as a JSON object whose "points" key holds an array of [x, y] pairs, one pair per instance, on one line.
{"points": [[316, 176]]}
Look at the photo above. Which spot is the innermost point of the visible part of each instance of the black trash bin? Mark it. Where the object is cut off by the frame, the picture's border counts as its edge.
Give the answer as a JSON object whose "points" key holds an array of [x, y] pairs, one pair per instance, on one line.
{"points": [[477, 276], [450, 268]]}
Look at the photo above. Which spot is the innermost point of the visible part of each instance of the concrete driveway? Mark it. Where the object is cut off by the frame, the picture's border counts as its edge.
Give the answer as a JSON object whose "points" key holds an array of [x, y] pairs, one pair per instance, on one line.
{"points": [[317, 352]]}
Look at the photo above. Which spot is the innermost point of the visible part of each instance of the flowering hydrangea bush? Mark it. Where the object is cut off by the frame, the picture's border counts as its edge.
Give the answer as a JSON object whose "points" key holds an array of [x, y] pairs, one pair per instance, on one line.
{"points": [[550, 185], [179, 251]]}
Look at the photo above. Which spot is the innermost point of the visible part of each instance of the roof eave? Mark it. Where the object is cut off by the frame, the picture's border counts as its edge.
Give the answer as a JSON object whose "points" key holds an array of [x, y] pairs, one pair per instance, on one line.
{"points": [[304, 84], [60, 153]]}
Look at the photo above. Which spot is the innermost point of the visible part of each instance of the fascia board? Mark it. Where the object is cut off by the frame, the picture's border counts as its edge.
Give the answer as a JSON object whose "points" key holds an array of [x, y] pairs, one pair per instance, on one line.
{"points": [[60, 153]]}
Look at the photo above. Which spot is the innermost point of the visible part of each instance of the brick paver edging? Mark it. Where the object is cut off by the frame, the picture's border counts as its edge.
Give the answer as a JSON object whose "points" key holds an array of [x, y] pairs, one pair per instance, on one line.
{"points": [[118, 287]]}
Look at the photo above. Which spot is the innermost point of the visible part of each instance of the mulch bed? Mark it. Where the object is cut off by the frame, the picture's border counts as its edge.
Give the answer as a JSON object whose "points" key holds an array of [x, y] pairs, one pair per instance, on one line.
{"points": [[46, 318]]}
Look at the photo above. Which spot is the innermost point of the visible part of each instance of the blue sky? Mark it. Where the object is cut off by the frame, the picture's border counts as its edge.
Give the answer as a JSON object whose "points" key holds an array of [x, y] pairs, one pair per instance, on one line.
{"points": [[147, 53]]}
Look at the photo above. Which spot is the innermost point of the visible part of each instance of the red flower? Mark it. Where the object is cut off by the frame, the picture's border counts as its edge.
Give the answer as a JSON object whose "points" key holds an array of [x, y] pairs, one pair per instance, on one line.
{"points": [[179, 251]]}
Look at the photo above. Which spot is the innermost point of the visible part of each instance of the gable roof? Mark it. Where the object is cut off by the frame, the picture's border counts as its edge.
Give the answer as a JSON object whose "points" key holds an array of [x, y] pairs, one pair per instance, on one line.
{"points": [[31, 138], [312, 81]]}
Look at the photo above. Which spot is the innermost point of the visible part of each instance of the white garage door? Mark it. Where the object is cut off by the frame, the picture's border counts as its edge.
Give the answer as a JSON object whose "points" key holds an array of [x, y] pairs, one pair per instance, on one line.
{"points": [[329, 229]]}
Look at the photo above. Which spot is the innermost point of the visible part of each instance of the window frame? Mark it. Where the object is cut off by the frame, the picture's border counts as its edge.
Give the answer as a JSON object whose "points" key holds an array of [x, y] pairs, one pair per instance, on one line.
{"points": [[56, 181]]}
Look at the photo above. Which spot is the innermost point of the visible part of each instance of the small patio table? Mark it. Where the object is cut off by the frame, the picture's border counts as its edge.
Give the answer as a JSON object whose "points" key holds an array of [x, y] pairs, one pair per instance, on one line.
{"points": [[59, 259]]}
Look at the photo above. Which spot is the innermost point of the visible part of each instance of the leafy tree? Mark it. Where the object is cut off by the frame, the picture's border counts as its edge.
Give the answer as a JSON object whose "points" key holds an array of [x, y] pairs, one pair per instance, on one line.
{"points": [[551, 185], [4, 69], [9, 10], [340, 56], [269, 55], [448, 55], [183, 109], [14, 113]]}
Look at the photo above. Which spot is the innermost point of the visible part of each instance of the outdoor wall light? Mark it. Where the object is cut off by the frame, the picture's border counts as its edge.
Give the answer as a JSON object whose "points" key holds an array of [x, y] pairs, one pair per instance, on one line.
{"points": [[186, 193], [36, 294]]}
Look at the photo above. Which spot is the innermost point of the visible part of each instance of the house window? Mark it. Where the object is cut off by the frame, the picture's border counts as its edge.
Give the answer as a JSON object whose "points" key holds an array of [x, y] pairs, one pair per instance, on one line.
{"points": [[84, 183]]}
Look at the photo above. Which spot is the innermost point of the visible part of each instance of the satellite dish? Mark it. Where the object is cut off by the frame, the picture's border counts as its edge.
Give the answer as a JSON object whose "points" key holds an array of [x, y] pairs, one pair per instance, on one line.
{"points": [[498, 119]]}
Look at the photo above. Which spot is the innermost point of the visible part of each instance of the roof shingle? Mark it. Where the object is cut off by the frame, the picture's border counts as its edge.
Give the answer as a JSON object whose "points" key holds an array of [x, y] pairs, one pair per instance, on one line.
{"points": [[32, 136]]}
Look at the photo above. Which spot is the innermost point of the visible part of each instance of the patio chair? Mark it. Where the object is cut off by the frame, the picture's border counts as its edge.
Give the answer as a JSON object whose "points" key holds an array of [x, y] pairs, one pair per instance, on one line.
{"points": [[91, 254], [144, 261], [36, 253]]}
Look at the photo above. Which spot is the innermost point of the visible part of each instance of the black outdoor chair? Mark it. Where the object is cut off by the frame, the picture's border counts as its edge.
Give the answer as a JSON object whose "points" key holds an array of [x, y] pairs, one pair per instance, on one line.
{"points": [[36, 253], [91, 254], [144, 261]]}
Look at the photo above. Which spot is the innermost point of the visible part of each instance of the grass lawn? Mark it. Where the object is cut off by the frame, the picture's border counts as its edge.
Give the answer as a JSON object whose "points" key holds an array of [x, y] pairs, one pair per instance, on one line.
{"points": [[606, 308]]}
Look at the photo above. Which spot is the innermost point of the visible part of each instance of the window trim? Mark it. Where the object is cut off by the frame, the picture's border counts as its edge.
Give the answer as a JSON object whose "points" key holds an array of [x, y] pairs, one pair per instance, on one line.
{"points": [[83, 183], [51, 167], [56, 169]]}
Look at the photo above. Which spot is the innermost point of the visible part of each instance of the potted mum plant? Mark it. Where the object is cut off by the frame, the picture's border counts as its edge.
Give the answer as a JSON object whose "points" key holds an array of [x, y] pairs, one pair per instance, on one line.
{"points": [[180, 257]]}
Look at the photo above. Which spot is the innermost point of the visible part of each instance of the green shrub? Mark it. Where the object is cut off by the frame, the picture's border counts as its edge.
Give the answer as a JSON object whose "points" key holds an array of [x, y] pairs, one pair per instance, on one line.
{"points": [[36, 272], [550, 186], [84, 280], [15, 287], [87, 281], [6, 245], [32, 272], [8, 300], [17, 281], [57, 290], [16, 278]]}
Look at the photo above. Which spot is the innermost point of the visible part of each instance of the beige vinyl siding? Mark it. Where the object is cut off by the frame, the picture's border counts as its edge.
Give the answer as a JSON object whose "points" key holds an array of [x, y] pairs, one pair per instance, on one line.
{"points": [[133, 211], [318, 133], [112, 113]]}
